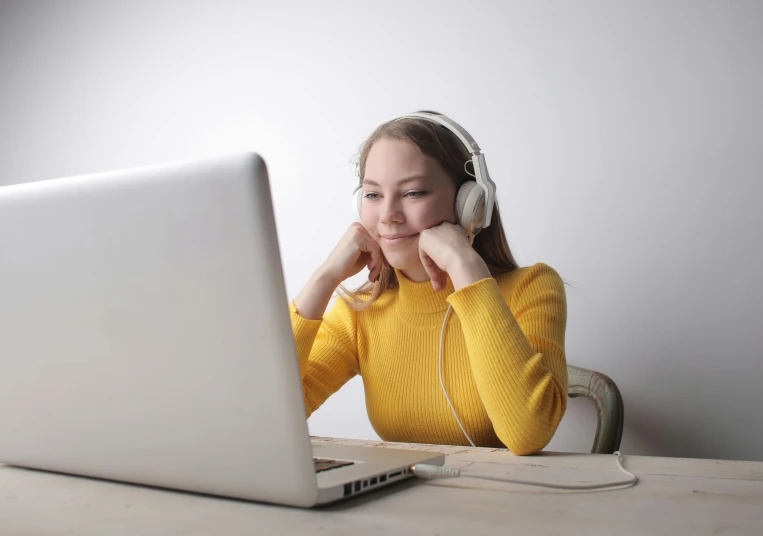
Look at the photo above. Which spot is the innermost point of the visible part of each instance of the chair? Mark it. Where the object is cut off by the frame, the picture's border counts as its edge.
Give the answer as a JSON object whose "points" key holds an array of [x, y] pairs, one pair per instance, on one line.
{"points": [[602, 391]]}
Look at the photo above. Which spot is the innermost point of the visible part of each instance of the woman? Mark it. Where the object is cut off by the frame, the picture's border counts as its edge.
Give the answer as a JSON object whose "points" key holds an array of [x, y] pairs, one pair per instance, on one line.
{"points": [[491, 374]]}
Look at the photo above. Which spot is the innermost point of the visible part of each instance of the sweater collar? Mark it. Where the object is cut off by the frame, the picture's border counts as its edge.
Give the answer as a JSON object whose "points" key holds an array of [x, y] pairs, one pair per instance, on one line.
{"points": [[419, 304]]}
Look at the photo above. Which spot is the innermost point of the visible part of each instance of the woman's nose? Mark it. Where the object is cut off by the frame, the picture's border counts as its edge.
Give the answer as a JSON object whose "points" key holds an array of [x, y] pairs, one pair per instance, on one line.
{"points": [[391, 212]]}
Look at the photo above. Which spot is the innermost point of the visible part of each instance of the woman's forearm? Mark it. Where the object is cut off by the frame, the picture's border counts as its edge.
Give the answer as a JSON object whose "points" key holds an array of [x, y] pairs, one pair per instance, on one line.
{"points": [[311, 302]]}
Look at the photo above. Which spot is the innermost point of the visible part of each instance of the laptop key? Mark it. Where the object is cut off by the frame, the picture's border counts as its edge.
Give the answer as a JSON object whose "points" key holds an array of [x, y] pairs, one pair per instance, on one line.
{"points": [[322, 464]]}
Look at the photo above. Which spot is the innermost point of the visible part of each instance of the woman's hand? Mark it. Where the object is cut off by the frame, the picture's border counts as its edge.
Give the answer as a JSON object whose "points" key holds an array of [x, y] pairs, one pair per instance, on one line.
{"points": [[355, 250], [444, 251]]}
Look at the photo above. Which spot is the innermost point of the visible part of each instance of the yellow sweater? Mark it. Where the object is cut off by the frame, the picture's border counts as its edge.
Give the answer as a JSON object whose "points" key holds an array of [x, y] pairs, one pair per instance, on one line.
{"points": [[503, 359]]}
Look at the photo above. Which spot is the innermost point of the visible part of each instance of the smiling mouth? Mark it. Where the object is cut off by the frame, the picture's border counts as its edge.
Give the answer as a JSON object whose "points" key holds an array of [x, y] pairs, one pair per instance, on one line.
{"points": [[398, 240]]}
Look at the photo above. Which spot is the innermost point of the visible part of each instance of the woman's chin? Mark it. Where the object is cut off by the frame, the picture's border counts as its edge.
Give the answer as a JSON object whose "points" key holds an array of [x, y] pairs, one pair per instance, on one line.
{"points": [[398, 262]]}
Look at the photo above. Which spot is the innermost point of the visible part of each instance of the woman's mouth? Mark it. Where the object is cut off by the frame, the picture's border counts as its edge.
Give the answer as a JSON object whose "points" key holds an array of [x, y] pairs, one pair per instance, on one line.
{"points": [[394, 239]]}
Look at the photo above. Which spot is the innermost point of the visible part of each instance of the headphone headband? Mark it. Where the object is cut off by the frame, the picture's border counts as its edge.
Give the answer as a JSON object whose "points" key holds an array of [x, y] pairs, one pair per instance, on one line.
{"points": [[451, 125]]}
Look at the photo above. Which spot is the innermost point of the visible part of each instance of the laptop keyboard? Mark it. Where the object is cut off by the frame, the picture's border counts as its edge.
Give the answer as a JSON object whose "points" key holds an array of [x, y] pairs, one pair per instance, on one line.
{"points": [[322, 464]]}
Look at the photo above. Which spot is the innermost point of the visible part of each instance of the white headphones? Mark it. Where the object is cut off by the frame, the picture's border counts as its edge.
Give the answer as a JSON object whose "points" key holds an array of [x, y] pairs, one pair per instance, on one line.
{"points": [[475, 199]]}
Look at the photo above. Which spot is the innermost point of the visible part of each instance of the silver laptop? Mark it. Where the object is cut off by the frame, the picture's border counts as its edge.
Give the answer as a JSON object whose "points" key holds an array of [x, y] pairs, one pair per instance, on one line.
{"points": [[145, 338]]}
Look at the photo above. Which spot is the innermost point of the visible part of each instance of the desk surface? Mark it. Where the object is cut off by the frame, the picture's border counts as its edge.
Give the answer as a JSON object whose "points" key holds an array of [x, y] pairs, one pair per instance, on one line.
{"points": [[674, 496]]}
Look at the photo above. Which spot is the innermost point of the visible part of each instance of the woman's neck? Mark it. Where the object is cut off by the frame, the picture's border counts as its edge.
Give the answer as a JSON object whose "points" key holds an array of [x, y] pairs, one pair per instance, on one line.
{"points": [[417, 275]]}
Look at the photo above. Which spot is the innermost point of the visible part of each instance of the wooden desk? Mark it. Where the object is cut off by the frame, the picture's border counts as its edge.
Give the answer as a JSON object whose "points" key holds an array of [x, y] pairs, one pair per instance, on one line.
{"points": [[675, 496]]}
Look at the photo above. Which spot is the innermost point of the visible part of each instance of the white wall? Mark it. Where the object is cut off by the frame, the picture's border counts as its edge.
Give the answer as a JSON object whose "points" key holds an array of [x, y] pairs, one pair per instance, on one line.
{"points": [[625, 141]]}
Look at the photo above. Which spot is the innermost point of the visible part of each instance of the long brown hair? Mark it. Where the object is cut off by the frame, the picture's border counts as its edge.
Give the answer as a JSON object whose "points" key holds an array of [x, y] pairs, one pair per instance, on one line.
{"points": [[442, 145]]}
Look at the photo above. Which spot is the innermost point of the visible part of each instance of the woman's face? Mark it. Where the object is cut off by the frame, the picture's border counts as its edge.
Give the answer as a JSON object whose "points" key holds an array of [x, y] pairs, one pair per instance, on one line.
{"points": [[404, 192]]}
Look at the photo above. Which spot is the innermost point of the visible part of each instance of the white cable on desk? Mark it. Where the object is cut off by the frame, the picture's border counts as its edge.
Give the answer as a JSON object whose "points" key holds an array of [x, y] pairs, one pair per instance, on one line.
{"points": [[423, 470]]}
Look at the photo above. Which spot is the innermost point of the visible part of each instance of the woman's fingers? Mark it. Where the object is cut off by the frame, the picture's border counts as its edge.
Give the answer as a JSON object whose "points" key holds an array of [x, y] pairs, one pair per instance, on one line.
{"points": [[373, 271], [432, 270], [368, 245], [375, 262], [439, 281], [438, 276]]}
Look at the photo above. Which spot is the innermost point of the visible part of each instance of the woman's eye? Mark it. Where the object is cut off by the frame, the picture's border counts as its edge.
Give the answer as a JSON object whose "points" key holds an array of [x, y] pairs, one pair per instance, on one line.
{"points": [[417, 193], [370, 195]]}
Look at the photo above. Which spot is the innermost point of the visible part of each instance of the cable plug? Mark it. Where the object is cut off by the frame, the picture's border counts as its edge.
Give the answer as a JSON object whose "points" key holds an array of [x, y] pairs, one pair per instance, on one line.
{"points": [[425, 470]]}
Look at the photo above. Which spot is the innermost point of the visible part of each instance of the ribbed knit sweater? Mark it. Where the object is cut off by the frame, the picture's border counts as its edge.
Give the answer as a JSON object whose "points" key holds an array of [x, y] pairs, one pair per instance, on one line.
{"points": [[504, 364]]}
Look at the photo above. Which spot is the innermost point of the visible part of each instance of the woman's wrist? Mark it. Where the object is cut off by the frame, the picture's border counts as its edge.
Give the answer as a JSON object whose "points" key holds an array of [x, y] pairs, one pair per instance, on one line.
{"points": [[325, 278], [468, 269]]}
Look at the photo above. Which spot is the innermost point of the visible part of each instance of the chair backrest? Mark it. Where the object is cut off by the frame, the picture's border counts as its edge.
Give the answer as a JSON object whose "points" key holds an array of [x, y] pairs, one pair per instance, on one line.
{"points": [[602, 391]]}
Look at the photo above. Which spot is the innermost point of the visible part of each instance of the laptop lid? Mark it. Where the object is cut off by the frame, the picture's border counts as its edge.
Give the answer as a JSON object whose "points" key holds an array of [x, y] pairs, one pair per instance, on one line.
{"points": [[144, 333]]}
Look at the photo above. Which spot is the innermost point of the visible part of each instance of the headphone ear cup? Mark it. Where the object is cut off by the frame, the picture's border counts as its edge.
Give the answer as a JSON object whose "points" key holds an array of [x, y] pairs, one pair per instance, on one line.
{"points": [[357, 203], [470, 207]]}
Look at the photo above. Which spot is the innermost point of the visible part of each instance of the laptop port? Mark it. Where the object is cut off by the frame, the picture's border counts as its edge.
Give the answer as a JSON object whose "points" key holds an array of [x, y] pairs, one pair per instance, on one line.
{"points": [[357, 485], [374, 481], [348, 489], [365, 483], [383, 478], [396, 473]]}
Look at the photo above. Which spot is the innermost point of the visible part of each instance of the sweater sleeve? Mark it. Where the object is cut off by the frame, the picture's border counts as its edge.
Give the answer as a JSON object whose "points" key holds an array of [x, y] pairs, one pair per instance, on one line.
{"points": [[326, 350], [516, 351]]}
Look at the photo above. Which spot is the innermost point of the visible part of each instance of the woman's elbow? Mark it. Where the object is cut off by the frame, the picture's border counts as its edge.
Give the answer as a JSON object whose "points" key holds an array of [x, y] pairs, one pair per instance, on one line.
{"points": [[539, 427], [527, 448]]}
